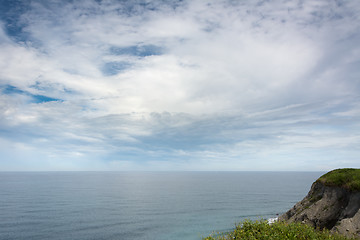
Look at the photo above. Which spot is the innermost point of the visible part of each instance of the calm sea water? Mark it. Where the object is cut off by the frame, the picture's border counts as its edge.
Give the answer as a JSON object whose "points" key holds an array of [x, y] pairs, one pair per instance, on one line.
{"points": [[141, 205]]}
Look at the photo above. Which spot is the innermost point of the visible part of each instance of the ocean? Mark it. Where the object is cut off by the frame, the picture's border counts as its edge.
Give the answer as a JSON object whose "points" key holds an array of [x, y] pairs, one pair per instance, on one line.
{"points": [[141, 205]]}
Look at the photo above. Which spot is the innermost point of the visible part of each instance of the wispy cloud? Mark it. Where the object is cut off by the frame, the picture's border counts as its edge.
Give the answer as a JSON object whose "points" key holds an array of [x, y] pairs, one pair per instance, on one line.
{"points": [[201, 85]]}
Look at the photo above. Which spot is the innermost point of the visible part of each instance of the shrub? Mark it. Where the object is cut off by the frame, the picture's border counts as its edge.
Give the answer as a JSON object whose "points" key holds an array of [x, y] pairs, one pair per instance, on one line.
{"points": [[251, 230]]}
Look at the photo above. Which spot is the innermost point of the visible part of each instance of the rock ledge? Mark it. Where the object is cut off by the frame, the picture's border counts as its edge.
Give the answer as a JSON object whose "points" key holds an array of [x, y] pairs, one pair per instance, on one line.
{"points": [[331, 207]]}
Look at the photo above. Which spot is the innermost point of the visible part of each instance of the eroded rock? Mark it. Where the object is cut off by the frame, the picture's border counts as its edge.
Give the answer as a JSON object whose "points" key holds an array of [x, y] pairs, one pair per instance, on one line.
{"points": [[330, 207]]}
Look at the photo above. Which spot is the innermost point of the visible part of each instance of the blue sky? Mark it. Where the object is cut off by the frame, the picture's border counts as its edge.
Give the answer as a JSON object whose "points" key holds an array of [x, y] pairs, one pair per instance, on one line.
{"points": [[179, 85]]}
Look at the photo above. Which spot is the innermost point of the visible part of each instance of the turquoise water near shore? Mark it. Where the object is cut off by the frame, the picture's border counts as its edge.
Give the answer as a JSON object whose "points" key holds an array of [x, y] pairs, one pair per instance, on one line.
{"points": [[141, 205]]}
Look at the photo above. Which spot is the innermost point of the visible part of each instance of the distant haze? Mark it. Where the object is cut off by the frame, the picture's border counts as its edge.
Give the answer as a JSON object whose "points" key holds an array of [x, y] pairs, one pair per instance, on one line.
{"points": [[179, 85]]}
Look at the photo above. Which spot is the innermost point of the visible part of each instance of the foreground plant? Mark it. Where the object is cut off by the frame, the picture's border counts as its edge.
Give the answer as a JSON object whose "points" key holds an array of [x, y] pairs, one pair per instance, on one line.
{"points": [[278, 230]]}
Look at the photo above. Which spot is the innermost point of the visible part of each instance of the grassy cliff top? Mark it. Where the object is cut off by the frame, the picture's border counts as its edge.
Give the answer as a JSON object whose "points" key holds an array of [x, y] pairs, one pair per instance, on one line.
{"points": [[348, 178]]}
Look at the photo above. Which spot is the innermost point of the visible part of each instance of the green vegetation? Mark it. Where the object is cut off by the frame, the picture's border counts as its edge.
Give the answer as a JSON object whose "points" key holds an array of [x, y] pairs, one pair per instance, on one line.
{"points": [[348, 178], [279, 230]]}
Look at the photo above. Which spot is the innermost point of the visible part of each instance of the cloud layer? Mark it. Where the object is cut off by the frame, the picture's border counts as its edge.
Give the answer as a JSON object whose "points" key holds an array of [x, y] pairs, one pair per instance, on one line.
{"points": [[179, 85]]}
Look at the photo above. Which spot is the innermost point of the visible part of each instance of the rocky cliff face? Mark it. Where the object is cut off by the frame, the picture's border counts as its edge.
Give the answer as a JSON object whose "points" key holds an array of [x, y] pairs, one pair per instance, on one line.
{"points": [[334, 208]]}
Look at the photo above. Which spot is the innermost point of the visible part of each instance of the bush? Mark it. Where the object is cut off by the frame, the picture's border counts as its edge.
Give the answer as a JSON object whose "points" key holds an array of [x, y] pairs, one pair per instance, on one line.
{"points": [[251, 230]]}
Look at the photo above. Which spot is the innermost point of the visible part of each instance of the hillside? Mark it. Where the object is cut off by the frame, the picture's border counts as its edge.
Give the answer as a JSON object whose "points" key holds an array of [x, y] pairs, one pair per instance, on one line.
{"points": [[333, 203]]}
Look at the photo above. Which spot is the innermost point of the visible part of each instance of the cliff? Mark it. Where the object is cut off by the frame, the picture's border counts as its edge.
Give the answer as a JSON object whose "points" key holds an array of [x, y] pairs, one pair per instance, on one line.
{"points": [[333, 202]]}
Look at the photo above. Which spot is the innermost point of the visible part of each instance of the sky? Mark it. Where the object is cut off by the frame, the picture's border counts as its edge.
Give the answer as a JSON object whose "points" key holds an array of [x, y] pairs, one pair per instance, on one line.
{"points": [[160, 85]]}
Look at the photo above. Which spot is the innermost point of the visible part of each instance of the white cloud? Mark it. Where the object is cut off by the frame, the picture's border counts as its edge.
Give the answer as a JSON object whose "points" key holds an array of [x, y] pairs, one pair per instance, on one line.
{"points": [[235, 85]]}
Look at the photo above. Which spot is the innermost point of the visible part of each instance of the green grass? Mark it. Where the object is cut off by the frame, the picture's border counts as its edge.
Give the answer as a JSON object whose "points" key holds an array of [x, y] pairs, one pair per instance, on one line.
{"points": [[348, 178], [251, 230]]}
